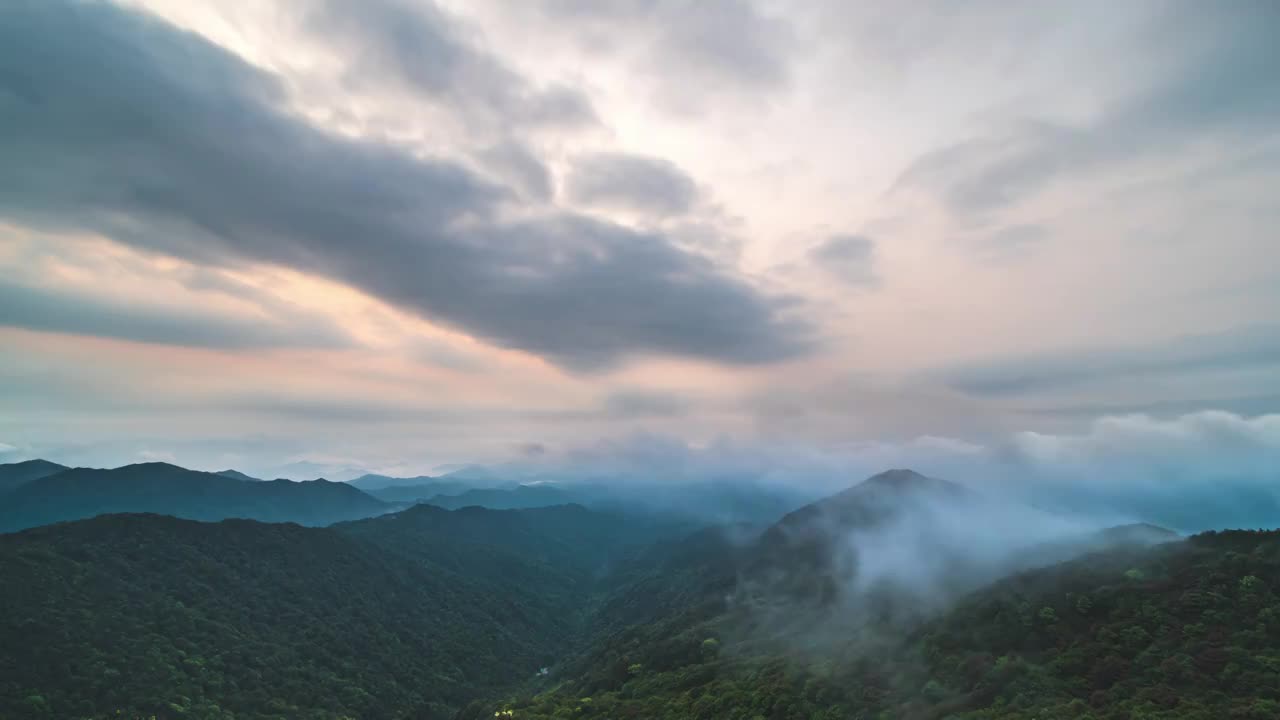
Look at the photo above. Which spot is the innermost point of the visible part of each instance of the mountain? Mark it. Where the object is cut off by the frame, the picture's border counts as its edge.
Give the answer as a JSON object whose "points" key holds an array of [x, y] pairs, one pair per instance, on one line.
{"points": [[307, 470], [416, 493], [1184, 629], [15, 475], [172, 490], [521, 496], [372, 481], [828, 585], [237, 475], [407, 615], [476, 475], [151, 616], [567, 541], [903, 596]]}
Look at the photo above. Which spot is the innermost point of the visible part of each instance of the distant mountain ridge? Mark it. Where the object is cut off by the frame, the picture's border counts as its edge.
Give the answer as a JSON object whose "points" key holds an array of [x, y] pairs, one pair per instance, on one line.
{"points": [[80, 493], [520, 496], [373, 481], [15, 475]]}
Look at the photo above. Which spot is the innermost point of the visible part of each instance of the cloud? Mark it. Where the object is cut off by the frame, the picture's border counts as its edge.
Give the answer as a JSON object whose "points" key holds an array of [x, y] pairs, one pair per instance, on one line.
{"points": [[848, 258], [517, 165], [1241, 348], [52, 310], [1202, 470], [156, 138], [639, 403], [1195, 445], [531, 449], [1209, 469], [692, 51], [636, 183], [1219, 84], [426, 51]]}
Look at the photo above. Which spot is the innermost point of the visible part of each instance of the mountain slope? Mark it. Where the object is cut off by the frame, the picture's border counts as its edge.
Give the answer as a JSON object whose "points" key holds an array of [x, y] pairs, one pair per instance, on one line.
{"points": [[562, 539], [15, 475], [1186, 629], [171, 490], [152, 615], [402, 615], [548, 564], [836, 581]]}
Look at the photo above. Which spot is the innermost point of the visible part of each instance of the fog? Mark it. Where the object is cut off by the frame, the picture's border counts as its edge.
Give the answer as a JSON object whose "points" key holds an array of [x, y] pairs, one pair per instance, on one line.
{"points": [[1194, 472]]}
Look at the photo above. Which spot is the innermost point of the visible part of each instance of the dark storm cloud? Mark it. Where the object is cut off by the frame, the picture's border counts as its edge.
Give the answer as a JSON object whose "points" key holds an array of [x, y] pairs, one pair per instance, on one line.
{"points": [[848, 258], [1249, 347], [50, 310], [1220, 79], [116, 123], [425, 50], [630, 182]]}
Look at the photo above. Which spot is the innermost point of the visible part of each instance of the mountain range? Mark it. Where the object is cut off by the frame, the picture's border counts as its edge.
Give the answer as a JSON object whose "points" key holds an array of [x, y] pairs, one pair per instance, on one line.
{"points": [[903, 596], [78, 493]]}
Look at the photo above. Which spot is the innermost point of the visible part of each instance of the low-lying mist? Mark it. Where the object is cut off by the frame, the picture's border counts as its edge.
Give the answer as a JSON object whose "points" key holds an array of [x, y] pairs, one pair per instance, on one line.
{"points": [[1201, 471], [851, 574]]}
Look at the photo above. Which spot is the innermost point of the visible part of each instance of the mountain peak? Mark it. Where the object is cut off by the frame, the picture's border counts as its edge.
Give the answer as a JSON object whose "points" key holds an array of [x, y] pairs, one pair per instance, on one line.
{"points": [[897, 476], [903, 480], [36, 462]]}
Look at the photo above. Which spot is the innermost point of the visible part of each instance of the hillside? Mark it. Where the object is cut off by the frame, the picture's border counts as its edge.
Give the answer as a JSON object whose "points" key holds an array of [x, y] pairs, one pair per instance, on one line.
{"points": [[1187, 630], [15, 475], [171, 490], [155, 615], [404, 615]]}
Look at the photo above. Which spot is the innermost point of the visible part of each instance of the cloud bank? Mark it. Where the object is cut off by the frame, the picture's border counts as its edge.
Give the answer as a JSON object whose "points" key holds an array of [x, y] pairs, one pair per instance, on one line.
{"points": [[206, 165]]}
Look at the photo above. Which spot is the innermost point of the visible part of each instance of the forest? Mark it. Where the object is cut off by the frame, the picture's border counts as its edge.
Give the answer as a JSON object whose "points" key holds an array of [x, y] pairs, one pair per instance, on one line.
{"points": [[570, 612]]}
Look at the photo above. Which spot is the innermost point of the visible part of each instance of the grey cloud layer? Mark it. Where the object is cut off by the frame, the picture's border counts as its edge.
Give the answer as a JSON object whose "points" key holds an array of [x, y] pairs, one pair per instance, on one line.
{"points": [[692, 49], [1242, 348], [122, 125], [630, 182], [47, 310], [848, 258], [1217, 75], [426, 51]]}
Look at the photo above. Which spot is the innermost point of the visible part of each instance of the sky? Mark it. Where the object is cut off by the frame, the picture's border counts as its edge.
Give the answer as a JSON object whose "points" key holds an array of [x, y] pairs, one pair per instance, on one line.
{"points": [[321, 237]]}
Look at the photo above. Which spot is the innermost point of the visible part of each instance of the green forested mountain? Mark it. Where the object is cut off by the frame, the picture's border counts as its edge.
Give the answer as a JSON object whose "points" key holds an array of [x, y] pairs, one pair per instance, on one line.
{"points": [[406, 615], [1187, 630], [888, 600], [171, 490], [158, 616], [15, 475]]}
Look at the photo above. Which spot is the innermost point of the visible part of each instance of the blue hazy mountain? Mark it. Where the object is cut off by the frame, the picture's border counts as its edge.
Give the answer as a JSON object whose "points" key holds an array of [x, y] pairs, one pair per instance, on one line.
{"points": [[79, 493]]}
